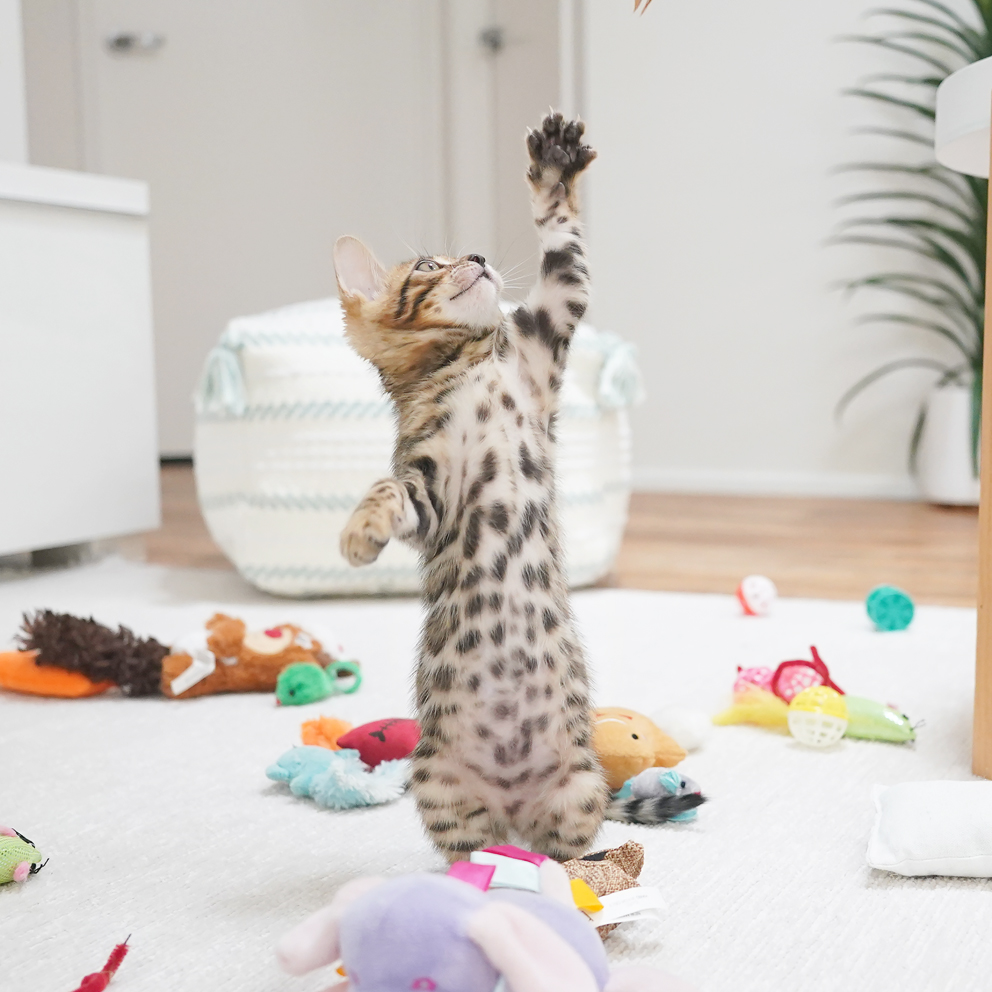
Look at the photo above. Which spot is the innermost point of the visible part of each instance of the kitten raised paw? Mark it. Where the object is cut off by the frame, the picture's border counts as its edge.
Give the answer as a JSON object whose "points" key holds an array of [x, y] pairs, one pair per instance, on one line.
{"points": [[366, 534], [556, 151]]}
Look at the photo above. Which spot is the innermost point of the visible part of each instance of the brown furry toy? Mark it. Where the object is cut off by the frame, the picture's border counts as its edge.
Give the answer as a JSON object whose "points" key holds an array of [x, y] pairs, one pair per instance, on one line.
{"points": [[225, 656], [102, 655]]}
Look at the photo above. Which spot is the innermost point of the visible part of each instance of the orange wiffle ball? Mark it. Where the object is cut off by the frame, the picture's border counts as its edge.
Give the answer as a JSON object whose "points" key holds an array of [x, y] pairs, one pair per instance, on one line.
{"points": [[627, 743]]}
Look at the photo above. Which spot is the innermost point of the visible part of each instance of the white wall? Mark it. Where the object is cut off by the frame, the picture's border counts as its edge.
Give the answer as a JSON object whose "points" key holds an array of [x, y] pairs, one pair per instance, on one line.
{"points": [[717, 125], [13, 114]]}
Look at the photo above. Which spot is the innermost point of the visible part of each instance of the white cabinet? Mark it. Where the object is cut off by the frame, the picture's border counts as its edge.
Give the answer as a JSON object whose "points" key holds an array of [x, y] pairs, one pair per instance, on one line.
{"points": [[78, 449]]}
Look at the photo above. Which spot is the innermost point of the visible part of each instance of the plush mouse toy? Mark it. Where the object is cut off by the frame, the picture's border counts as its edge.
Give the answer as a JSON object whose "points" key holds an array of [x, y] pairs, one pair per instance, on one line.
{"points": [[19, 858], [432, 932]]}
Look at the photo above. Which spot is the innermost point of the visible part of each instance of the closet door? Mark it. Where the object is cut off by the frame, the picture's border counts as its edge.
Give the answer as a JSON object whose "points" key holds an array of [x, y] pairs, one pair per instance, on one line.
{"points": [[266, 129]]}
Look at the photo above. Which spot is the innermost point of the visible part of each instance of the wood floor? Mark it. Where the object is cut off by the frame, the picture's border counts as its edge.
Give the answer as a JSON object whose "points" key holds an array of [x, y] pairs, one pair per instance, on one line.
{"points": [[825, 548]]}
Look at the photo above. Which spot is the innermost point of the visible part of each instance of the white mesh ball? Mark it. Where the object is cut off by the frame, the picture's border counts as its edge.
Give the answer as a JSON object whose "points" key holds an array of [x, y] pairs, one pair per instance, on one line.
{"points": [[816, 729]]}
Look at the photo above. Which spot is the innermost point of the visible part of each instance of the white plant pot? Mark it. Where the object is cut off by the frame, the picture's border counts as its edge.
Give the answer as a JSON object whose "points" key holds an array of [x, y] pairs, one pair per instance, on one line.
{"points": [[943, 460]]}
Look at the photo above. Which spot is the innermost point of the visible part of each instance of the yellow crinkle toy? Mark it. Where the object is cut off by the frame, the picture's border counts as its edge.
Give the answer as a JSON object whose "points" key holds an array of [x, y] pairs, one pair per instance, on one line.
{"points": [[754, 705], [820, 699]]}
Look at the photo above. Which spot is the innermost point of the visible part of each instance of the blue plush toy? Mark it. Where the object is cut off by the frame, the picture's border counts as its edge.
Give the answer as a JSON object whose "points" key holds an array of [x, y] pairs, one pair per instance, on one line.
{"points": [[339, 779]]}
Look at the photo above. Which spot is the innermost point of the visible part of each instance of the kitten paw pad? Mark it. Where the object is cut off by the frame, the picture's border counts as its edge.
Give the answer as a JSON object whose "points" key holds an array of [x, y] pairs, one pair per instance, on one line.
{"points": [[556, 150]]}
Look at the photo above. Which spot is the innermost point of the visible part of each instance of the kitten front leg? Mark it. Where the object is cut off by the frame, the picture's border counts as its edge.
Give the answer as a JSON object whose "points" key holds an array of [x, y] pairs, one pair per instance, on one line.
{"points": [[385, 512], [558, 301]]}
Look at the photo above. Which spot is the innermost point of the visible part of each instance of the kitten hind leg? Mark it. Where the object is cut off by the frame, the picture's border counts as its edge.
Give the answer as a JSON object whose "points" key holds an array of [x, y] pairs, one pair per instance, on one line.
{"points": [[456, 820], [564, 822]]}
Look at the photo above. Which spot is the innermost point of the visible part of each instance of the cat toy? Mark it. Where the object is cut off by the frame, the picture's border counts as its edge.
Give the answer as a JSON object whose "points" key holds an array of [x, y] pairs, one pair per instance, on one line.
{"points": [[769, 699], [461, 931], [19, 858], [889, 608], [99, 980], [309, 682], [72, 657], [818, 716], [757, 595], [375, 742], [634, 754], [339, 779]]}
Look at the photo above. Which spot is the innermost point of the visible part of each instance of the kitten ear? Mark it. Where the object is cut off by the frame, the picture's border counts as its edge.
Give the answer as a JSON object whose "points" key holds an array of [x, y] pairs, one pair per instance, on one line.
{"points": [[357, 269]]}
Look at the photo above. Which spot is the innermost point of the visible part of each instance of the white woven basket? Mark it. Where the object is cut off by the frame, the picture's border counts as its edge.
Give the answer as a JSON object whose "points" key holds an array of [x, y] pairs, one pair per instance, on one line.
{"points": [[293, 427]]}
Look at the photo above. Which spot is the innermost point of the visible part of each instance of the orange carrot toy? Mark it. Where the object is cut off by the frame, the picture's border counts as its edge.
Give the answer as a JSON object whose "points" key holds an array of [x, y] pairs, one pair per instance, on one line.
{"points": [[20, 672]]}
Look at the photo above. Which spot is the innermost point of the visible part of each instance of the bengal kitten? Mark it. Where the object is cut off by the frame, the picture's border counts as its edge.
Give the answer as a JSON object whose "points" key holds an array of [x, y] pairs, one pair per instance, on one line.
{"points": [[502, 688]]}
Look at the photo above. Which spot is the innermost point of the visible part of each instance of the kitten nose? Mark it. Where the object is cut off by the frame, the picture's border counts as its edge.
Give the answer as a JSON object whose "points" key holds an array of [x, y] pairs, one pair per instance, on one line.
{"points": [[478, 259]]}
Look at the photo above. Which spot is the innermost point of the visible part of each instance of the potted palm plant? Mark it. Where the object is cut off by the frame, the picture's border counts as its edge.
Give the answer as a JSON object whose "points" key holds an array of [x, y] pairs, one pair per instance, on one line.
{"points": [[935, 220]]}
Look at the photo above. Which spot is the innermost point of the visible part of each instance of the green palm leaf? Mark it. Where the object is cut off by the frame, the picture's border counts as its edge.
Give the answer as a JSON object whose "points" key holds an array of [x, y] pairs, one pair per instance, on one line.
{"points": [[930, 173], [964, 327], [969, 38], [916, 437], [940, 219], [918, 108], [926, 325], [926, 249], [894, 77], [917, 225], [888, 132], [901, 49], [888, 194], [901, 282], [933, 39], [952, 15], [883, 370]]}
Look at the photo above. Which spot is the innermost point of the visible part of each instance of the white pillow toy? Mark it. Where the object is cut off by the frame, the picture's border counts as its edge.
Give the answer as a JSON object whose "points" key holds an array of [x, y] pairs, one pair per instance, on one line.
{"points": [[933, 828]]}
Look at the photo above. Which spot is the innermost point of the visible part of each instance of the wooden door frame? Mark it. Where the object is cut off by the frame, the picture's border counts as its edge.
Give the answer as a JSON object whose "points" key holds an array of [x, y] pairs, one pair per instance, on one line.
{"points": [[981, 749]]}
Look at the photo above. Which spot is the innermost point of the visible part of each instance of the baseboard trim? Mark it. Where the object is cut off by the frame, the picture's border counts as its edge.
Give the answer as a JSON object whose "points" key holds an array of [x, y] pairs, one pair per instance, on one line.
{"points": [[850, 485]]}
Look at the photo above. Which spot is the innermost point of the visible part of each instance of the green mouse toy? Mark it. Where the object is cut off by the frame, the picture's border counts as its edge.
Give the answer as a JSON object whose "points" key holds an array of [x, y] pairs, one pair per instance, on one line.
{"points": [[308, 682], [877, 722], [18, 857]]}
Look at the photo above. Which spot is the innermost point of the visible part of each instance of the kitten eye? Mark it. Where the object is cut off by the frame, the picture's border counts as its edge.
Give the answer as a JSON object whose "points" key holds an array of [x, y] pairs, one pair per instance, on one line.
{"points": [[426, 265]]}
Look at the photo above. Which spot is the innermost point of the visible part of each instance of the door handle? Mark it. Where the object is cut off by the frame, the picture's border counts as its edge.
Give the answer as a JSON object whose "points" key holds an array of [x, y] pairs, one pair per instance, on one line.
{"points": [[493, 38], [134, 42]]}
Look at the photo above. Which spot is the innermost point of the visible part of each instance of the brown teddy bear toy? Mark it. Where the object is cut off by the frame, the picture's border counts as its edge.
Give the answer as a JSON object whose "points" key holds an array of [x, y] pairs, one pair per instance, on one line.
{"points": [[226, 657]]}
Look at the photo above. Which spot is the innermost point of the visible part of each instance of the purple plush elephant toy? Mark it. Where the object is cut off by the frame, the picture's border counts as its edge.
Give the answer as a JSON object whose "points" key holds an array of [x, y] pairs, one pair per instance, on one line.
{"points": [[434, 933]]}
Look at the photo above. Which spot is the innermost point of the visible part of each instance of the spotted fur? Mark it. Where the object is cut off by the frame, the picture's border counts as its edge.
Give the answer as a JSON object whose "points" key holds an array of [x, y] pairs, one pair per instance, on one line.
{"points": [[502, 689]]}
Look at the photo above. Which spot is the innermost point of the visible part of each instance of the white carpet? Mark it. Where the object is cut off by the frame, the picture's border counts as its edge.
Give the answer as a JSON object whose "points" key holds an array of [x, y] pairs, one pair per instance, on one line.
{"points": [[159, 821]]}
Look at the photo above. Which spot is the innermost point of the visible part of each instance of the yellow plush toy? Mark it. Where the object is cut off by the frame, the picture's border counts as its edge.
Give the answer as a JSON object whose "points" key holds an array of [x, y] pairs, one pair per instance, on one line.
{"points": [[753, 704], [628, 743]]}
